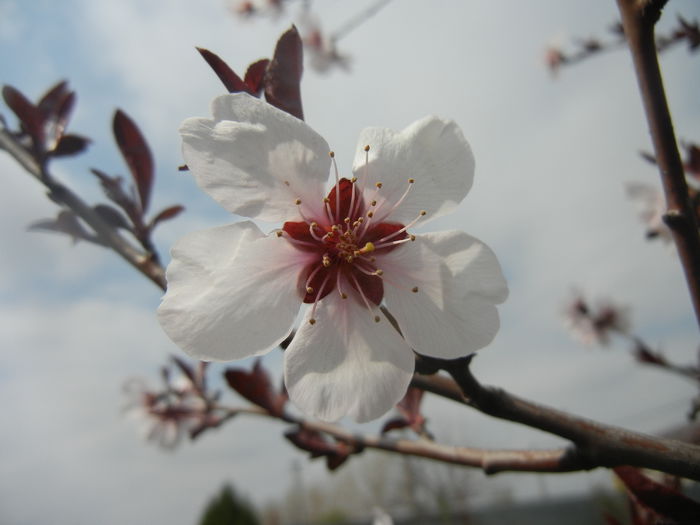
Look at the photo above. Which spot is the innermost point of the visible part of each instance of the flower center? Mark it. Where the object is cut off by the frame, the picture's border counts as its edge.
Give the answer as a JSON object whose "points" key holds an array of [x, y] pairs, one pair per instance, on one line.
{"points": [[349, 239]]}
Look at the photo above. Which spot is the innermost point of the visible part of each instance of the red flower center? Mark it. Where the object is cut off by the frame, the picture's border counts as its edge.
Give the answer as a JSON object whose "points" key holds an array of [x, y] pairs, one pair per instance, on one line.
{"points": [[348, 243]]}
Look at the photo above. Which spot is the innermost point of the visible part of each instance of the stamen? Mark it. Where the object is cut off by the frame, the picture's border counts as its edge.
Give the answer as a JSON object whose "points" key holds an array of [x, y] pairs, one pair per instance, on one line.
{"points": [[414, 289], [313, 234], [394, 243], [301, 213], [362, 295], [282, 233], [337, 185], [397, 232], [343, 295], [400, 201], [318, 298]]}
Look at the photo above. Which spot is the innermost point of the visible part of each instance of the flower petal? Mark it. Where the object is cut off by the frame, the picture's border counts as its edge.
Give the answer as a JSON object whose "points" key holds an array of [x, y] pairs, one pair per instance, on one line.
{"points": [[232, 292], [256, 160], [431, 151], [346, 364], [459, 282]]}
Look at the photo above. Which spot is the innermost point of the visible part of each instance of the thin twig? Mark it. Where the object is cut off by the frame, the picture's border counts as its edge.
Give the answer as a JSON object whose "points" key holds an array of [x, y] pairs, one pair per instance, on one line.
{"points": [[639, 19], [60, 193]]}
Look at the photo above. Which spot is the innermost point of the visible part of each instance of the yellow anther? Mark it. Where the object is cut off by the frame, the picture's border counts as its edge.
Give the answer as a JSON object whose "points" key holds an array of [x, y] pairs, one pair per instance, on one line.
{"points": [[411, 181], [353, 180], [331, 154], [423, 212], [335, 228], [379, 272], [414, 289], [373, 203], [412, 237], [312, 321], [367, 147], [349, 258], [369, 247], [314, 225], [326, 200], [286, 182], [370, 214], [297, 202], [279, 234], [343, 295], [377, 318], [309, 289], [378, 184]]}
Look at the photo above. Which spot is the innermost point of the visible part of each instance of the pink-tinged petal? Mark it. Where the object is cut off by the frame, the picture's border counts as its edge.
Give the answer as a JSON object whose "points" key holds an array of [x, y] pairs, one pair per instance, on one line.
{"points": [[431, 151], [256, 160], [346, 364], [458, 282], [232, 292]]}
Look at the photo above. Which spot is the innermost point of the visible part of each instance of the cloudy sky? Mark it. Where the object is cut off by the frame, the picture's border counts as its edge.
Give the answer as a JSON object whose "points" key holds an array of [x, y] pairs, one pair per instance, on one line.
{"points": [[552, 159]]}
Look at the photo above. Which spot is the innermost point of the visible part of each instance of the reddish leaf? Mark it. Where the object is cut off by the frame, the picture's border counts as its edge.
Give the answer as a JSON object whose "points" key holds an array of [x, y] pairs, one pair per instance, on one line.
{"points": [[112, 216], [58, 121], [51, 100], [231, 81], [313, 442], [395, 424], [70, 145], [166, 215], [664, 501], [256, 387], [254, 76], [283, 75], [27, 113], [65, 222], [185, 368], [137, 154]]}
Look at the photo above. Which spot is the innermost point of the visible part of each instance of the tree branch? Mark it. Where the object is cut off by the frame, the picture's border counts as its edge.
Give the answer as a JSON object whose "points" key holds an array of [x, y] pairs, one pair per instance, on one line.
{"points": [[638, 19], [61, 194], [596, 444]]}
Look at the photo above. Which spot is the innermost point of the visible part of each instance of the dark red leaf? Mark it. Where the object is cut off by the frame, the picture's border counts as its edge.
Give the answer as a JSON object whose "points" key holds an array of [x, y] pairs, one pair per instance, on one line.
{"points": [[648, 157], [137, 154], [664, 501], [65, 222], [27, 113], [112, 187], [256, 387], [165, 215], [58, 121], [112, 216], [395, 424], [283, 75], [51, 100], [70, 145], [317, 446], [231, 81], [254, 76], [185, 368]]}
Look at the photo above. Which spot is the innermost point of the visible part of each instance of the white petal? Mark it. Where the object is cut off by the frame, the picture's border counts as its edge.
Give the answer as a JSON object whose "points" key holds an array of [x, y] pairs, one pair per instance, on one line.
{"points": [[256, 160], [346, 364], [459, 283], [232, 292], [431, 151]]}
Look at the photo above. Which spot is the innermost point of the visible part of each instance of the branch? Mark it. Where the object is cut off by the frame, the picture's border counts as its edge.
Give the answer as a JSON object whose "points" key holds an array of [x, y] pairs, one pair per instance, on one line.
{"points": [[596, 444], [491, 461], [638, 19], [61, 194]]}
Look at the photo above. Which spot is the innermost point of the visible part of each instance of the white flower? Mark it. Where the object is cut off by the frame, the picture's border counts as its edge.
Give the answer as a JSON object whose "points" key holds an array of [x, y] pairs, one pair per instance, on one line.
{"points": [[234, 292], [652, 207]]}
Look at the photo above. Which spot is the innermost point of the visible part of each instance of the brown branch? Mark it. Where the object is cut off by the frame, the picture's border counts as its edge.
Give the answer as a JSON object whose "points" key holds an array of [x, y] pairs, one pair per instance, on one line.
{"points": [[491, 461], [638, 19], [596, 444], [61, 194]]}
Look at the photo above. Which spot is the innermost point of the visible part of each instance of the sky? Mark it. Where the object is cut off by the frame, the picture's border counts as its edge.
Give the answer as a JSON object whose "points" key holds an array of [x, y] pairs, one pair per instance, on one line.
{"points": [[552, 158]]}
